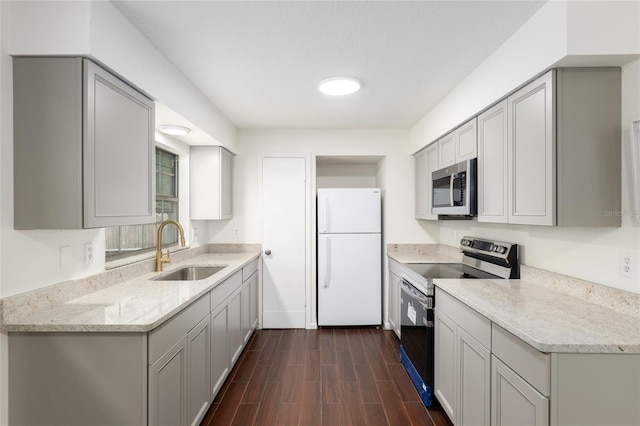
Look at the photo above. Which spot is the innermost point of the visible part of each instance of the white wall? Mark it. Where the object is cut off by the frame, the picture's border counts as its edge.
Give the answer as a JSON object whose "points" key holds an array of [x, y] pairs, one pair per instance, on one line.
{"points": [[397, 180], [541, 41], [346, 175], [99, 30], [585, 33]]}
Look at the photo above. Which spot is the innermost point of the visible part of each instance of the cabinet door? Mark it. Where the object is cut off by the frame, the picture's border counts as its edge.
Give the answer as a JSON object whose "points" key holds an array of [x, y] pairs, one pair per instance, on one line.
{"points": [[445, 364], [254, 314], [226, 188], [168, 387], [466, 141], [447, 150], [492, 164], [210, 172], [219, 348], [245, 312], [394, 303], [118, 152], [532, 153], [422, 169], [514, 401], [426, 163], [474, 381], [235, 328], [199, 365]]}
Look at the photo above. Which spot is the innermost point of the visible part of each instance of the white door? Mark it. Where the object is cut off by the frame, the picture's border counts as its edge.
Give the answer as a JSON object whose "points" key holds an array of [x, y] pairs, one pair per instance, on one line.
{"points": [[284, 241]]}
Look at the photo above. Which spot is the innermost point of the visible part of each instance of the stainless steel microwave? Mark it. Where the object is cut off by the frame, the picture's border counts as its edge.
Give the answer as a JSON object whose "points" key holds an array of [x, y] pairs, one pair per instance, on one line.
{"points": [[454, 189]]}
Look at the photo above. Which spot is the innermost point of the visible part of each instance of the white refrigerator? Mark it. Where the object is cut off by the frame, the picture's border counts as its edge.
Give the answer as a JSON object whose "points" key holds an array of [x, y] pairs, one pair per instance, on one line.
{"points": [[349, 256]]}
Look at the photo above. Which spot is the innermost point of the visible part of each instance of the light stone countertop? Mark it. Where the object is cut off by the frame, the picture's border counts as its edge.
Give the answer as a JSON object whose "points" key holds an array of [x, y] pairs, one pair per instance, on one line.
{"points": [[423, 253], [548, 320], [138, 304]]}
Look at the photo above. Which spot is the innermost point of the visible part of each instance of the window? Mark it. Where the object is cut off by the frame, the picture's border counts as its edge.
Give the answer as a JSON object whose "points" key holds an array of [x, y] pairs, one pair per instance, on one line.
{"points": [[124, 241]]}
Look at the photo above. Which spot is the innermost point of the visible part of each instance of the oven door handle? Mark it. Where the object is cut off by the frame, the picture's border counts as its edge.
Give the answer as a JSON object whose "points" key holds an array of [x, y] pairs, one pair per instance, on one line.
{"points": [[406, 288]]}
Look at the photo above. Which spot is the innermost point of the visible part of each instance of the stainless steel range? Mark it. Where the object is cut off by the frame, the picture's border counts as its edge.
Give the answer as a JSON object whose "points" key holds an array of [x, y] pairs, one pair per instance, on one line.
{"points": [[481, 259]]}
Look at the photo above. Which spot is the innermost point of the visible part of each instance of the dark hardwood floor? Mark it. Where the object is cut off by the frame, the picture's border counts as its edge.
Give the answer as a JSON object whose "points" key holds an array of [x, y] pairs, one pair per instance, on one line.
{"points": [[329, 376]]}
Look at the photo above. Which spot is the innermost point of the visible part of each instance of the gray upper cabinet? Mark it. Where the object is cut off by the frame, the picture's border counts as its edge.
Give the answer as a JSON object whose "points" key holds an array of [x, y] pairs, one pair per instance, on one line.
{"points": [[210, 170], [531, 153], [426, 163], [549, 154], [83, 147], [492, 164], [459, 145]]}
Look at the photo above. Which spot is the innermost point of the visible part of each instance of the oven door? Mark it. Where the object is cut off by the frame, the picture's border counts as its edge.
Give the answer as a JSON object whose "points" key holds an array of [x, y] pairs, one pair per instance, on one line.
{"points": [[416, 330]]}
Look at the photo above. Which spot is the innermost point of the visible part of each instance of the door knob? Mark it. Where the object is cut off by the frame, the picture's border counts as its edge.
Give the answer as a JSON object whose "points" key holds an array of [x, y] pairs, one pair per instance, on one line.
{"points": [[267, 252]]}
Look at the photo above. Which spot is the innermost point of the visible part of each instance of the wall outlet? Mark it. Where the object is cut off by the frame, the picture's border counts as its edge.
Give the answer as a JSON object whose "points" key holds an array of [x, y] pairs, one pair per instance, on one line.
{"points": [[628, 264], [236, 232], [88, 253]]}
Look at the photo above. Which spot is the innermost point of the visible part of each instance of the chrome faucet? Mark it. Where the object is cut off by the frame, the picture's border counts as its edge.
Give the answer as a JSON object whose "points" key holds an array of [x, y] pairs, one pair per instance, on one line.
{"points": [[160, 259]]}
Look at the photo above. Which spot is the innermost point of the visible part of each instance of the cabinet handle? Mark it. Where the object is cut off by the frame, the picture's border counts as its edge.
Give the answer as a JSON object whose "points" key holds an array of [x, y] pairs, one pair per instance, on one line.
{"points": [[267, 252]]}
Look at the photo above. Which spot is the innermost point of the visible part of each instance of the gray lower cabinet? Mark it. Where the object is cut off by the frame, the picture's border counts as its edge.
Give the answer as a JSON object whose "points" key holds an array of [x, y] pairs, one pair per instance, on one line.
{"points": [[168, 387], [253, 303], [64, 379], [486, 375], [179, 378], [84, 148], [249, 307], [236, 342], [395, 282], [168, 376], [234, 317], [462, 362], [198, 368], [179, 392], [514, 401], [445, 364], [474, 366], [219, 348]]}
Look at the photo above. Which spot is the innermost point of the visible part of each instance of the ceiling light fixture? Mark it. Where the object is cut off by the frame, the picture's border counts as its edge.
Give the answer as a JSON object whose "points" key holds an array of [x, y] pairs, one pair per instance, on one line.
{"points": [[339, 86], [174, 130]]}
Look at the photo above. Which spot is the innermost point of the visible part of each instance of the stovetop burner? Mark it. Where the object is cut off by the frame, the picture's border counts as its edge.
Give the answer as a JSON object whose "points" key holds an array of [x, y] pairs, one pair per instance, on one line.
{"points": [[481, 259]]}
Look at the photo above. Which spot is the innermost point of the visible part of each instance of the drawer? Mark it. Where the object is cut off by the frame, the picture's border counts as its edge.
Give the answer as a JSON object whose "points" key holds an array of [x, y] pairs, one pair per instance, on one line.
{"points": [[531, 364], [249, 269], [164, 337], [478, 326], [225, 289], [395, 267]]}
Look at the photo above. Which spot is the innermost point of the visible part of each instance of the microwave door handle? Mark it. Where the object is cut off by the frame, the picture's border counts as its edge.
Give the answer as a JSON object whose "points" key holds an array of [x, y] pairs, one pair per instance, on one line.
{"points": [[451, 189]]}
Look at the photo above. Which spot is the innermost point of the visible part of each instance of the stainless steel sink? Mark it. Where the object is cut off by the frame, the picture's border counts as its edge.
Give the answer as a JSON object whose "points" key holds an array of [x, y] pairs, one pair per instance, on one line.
{"points": [[190, 273]]}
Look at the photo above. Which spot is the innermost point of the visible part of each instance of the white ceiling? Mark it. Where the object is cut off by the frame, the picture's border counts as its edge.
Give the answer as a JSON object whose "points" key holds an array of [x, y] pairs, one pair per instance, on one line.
{"points": [[260, 62]]}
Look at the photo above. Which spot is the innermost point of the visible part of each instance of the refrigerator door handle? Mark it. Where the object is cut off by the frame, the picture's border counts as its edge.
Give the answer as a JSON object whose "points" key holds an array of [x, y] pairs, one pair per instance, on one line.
{"points": [[327, 263]]}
